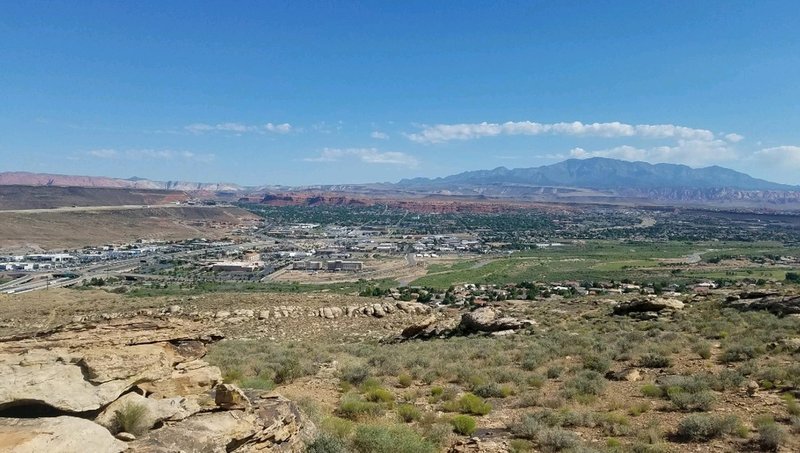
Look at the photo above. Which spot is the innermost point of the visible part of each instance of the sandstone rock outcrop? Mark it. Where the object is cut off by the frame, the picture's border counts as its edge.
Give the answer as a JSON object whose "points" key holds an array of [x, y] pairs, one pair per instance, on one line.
{"points": [[487, 319], [153, 365], [56, 434]]}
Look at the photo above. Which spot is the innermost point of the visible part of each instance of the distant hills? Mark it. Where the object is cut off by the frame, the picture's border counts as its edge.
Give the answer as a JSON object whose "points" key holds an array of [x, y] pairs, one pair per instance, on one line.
{"points": [[603, 173], [594, 180], [45, 179]]}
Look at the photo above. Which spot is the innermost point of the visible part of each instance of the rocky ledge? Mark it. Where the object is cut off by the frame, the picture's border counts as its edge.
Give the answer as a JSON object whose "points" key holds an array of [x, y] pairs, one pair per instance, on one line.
{"points": [[82, 387]]}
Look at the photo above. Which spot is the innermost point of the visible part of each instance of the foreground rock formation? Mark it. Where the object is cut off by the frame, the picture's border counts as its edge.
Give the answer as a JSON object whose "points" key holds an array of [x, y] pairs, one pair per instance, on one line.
{"points": [[774, 303], [485, 320], [70, 389]]}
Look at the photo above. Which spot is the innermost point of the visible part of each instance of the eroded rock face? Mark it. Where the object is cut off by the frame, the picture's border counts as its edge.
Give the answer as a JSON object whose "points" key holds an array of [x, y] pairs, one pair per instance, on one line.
{"points": [[93, 367], [273, 424], [56, 434], [157, 366]]}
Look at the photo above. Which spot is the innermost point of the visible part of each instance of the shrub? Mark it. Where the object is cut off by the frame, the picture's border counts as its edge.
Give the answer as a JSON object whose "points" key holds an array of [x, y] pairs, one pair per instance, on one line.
{"points": [[288, 370], [554, 372], [487, 391], [688, 401], [390, 439], [614, 423], [325, 443], [587, 382], [528, 426], [702, 428], [379, 395], [258, 383], [792, 406], [770, 435], [405, 380], [727, 380], [598, 363], [354, 408], [557, 439], [463, 424], [702, 348], [535, 380], [639, 408], [473, 404], [739, 353], [131, 418], [654, 360], [408, 413], [338, 427], [519, 446], [355, 374], [652, 391]]}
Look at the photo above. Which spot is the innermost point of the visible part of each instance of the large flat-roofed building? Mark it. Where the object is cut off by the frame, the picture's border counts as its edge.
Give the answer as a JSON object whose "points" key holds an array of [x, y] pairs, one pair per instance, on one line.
{"points": [[307, 265], [350, 266]]}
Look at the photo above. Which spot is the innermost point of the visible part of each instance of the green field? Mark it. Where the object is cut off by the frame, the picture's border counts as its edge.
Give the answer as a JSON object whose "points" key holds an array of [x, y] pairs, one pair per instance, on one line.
{"points": [[609, 260]]}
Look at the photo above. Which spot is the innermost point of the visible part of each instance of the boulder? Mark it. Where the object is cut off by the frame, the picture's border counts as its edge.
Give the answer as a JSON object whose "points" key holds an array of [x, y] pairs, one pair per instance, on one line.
{"points": [[627, 374], [190, 378], [647, 305], [415, 329], [56, 434], [486, 319], [229, 396], [377, 311]]}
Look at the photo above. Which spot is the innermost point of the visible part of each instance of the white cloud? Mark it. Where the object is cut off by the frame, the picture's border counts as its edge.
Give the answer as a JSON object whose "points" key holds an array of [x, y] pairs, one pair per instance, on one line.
{"points": [[695, 153], [103, 153], [779, 157], [366, 155], [379, 135], [150, 154], [734, 138], [468, 131], [238, 128]]}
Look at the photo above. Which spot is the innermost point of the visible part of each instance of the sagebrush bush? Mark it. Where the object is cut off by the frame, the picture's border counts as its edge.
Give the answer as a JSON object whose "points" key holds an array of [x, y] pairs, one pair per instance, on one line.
{"points": [[557, 439], [652, 391], [596, 362], [355, 374], [770, 434], [379, 395], [325, 443], [408, 413], [654, 360], [585, 383], [463, 424], [702, 427], [390, 439], [527, 426], [354, 408]]}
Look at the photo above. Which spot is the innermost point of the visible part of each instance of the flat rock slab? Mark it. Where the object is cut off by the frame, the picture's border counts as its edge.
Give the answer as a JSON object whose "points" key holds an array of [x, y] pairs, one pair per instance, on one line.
{"points": [[55, 435]]}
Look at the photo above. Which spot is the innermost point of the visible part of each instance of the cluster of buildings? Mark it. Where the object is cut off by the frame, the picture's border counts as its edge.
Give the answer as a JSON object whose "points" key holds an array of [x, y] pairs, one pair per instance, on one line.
{"points": [[331, 266]]}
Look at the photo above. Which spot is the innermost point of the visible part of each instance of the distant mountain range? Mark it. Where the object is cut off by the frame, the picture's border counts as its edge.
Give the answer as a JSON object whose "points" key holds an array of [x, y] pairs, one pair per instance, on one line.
{"points": [[603, 173], [595, 180]]}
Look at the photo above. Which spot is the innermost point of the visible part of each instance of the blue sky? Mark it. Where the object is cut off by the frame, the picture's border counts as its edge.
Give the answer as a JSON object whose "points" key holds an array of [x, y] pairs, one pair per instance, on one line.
{"points": [[291, 92]]}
